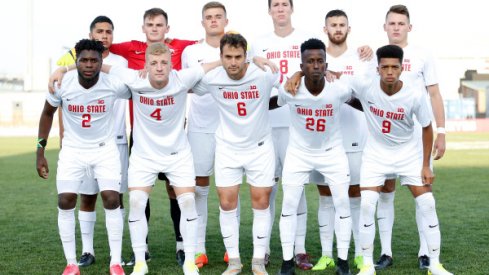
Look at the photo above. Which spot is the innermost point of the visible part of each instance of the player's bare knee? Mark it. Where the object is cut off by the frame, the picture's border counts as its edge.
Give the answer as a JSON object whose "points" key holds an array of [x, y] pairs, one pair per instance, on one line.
{"points": [[202, 181], [88, 202], [67, 201], [110, 199], [354, 191]]}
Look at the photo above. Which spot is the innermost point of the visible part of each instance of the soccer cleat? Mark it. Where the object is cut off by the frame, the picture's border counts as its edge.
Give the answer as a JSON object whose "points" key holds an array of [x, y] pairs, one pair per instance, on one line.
{"points": [[302, 261], [424, 262], [234, 267], [180, 256], [189, 268], [71, 269], [116, 269], [323, 263], [358, 262], [287, 268], [140, 268], [226, 257], [438, 270], [267, 259], [201, 260], [342, 267], [86, 259], [258, 267], [367, 270], [131, 262], [384, 262]]}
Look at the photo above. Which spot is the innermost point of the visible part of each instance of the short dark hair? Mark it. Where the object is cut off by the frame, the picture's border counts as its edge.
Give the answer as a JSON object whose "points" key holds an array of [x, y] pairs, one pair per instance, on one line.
{"points": [[234, 40], [155, 12], [312, 44], [89, 45], [399, 9], [390, 51], [101, 19], [290, 1], [335, 13], [212, 5]]}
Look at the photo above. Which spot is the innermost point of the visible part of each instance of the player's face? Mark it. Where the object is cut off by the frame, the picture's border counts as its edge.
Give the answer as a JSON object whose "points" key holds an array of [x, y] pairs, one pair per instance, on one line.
{"points": [[88, 64], [390, 70], [314, 64], [214, 21], [281, 12], [234, 61], [103, 32], [159, 68], [397, 27], [155, 28], [337, 29]]}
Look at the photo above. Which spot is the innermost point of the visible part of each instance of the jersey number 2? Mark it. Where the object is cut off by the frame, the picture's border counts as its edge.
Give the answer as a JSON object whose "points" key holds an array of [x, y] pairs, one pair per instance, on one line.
{"points": [[86, 118]]}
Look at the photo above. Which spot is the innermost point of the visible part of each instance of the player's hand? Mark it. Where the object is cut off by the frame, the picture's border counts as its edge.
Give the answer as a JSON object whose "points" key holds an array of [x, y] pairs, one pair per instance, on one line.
{"points": [[292, 83], [427, 175], [57, 76], [263, 63], [42, 167], [365, 53], [143, 73], [331, 76], [439, 147]]}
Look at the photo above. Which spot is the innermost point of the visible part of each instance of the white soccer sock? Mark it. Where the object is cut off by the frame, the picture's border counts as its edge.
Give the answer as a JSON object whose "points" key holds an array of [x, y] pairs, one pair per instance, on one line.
{"points": [[326, 224], [342, 219], [66, 226], [201, 194], [423, 245], [366, 228], [355, 216], [230, 231], [273, 195], [115, 227], [288, 219], [138, 225], [385, 218], [261, 226], [87, 224], [189, 222], [300, 234], [426, 204]]}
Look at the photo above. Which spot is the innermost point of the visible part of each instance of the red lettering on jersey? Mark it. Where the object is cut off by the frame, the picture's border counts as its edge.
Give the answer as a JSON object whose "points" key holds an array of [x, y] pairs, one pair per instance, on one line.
{"points": [[169, 100], [250, 94], [324, 112], [96, 109], [394, 116], [291, 54], [230, 95], [376, 111], [100, 101], [146, 100], [304, 111], [406, 67], [295, 47], [76, 108], [400, 110], [273, 55]]}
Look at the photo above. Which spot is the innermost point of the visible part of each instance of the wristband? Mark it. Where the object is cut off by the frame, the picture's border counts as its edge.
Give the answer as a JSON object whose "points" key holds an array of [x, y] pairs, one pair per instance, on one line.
{"points": [[41, 143], [441, 130]]}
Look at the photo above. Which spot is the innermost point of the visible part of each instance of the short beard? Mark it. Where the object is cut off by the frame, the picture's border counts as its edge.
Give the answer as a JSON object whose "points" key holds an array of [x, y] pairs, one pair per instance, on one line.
{"points": [[335, 41]]}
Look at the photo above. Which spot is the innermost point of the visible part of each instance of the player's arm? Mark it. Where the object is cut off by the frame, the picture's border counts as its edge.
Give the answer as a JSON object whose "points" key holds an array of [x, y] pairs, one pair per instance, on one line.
{"points": [[263, 63], [57, 76], [426, 173], [365, 53], [439, 113], [45, 124]]}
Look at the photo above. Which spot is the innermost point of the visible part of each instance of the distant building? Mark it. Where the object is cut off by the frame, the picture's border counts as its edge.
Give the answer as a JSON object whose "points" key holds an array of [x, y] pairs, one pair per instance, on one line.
{"points": [[475, 87]]}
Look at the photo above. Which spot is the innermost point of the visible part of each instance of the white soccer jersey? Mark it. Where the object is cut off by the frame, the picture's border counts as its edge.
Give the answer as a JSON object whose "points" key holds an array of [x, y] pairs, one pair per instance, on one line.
{"points": [[120, 104], [88, 114], [390, 118], [315, 120], [159, 114], [353, 123], [203, 116], [285, 52], [242, 104], [418, 64]]}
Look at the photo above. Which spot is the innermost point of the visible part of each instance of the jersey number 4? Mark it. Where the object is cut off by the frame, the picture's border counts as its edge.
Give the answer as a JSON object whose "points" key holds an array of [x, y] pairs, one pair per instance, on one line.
{"points": [[318, 125], [156, 114]]}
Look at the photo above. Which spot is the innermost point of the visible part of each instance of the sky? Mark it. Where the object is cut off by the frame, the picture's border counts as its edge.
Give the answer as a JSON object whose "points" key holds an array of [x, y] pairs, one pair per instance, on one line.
{"points": [[453, 30]]}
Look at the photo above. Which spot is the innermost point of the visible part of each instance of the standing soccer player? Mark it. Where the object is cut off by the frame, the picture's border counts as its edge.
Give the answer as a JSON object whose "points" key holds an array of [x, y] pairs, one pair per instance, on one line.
{"points": [[418, 65], [315, 145], [243, 144], [393, 148], [87, 98]]}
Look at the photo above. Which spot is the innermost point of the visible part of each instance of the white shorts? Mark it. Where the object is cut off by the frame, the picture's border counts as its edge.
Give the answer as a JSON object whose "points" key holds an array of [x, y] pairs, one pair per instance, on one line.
{"points": [[378, 165], [203, 150], [332, 164], [280, 136], [179, 169], [101, 164], [89, 185], [258, 163], [354, 163]]}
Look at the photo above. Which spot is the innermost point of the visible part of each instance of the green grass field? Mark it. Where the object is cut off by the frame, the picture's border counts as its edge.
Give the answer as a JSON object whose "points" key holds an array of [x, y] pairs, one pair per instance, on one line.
{"points": [[29, 240]]}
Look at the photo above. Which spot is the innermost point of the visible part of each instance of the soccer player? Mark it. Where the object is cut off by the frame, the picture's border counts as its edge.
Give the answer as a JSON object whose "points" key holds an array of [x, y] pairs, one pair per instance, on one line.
{"points": [[89, 148], [243, 144], [418, 65], [101, 29], [354, 132], [315, 144], [203, 117], [394, 149]]}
